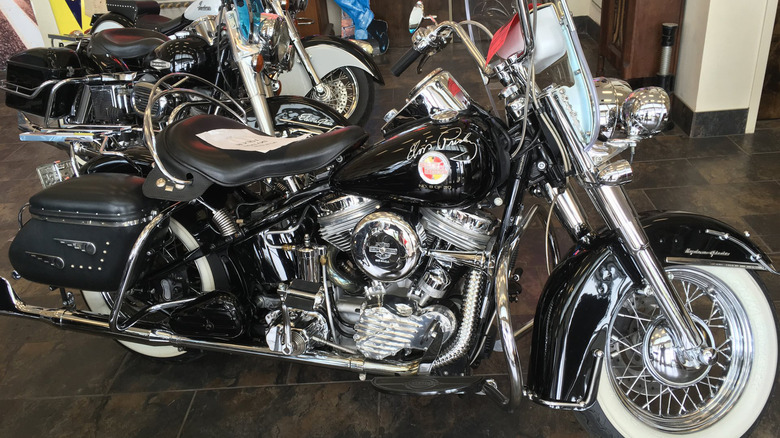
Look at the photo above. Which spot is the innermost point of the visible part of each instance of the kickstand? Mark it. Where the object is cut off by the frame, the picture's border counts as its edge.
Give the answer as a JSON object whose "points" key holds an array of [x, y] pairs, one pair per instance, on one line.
{"points": [[68, 300]]}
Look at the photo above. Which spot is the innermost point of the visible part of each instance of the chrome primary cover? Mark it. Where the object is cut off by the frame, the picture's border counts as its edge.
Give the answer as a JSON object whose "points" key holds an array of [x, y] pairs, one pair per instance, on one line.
{"points": [[386, 247]]}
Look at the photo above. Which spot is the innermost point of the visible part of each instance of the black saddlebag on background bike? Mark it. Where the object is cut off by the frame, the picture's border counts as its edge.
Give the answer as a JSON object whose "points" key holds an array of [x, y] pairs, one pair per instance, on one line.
{"points": [[81, 231], [27, 76]]}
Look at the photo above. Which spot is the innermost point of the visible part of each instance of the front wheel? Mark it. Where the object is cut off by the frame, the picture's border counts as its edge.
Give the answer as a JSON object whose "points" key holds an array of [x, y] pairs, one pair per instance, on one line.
{"points": [[348, 90], [644, 392]]}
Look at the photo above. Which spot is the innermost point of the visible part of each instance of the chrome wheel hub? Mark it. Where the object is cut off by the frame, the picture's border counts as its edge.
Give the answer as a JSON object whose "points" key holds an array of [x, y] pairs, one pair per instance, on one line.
{"points": [[661, 357], [340, 91]]}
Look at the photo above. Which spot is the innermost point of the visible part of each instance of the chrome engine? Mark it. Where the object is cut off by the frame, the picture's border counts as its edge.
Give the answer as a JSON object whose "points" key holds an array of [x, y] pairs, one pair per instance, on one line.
{"points": [[400, 300]]}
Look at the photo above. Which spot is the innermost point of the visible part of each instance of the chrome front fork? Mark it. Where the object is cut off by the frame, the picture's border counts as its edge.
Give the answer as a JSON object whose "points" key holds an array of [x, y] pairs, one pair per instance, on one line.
{"points": [[620, 215], [253, 81], [299, 49]]}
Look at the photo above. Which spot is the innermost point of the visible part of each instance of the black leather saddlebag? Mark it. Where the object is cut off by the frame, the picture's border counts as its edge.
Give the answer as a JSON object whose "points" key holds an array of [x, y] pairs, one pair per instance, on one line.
{"points": [[81, 232], [30, 69], [132, 8]]}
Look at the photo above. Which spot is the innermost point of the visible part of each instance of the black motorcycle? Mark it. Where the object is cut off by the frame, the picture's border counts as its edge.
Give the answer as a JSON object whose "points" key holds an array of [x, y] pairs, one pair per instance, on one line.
{"points": [[389, 260], [91, 97], [335, 71]]}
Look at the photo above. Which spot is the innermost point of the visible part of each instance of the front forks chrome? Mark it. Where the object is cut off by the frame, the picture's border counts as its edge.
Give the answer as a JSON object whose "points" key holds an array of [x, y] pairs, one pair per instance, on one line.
{"points": [[620, 215]]}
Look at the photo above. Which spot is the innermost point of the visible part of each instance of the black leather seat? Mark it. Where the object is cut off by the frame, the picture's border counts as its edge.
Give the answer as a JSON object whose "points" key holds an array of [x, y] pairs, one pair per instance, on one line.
{"points": [[162, 24], [182, 151], [125, 43]]}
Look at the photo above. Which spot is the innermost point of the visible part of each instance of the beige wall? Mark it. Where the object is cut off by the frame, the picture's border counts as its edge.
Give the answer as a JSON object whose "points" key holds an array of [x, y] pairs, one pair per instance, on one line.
{"points": [[723, 51]]}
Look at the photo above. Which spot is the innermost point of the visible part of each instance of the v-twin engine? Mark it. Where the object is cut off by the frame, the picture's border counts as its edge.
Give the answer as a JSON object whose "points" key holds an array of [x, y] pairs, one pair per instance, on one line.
{"points": [[396, 295]]}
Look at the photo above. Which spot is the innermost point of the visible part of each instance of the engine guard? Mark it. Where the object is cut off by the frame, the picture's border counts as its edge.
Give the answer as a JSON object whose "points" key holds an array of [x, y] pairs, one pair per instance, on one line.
{"points": [[580, 296]]}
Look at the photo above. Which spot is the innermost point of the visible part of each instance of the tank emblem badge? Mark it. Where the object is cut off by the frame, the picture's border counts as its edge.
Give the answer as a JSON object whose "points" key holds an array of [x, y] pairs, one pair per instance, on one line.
{"points": [[434, 168], [160, 64]]}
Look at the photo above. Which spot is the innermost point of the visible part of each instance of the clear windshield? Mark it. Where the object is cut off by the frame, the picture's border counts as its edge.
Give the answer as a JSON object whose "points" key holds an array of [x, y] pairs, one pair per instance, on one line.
{"points": [[559, 60]]}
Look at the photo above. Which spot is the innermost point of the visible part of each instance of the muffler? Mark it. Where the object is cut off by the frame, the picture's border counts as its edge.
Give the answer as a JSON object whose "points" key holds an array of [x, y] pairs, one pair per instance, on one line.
{"points": [[11, 304]]}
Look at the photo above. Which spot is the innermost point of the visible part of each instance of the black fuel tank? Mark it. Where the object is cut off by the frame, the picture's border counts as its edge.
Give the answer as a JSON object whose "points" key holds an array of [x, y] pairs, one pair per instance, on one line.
{"points": [[436, 164]]}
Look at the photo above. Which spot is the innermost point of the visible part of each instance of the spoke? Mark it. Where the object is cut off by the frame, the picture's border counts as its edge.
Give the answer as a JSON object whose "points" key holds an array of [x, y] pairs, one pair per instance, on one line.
{"points": [[682, 403], [701, 397], [636, 380], [639, 319], [628, 347], [713, 311]]}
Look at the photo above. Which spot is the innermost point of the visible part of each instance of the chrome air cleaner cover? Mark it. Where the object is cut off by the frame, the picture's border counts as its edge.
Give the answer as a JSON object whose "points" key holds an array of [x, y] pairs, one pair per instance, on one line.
{"points": [[386, 247]]}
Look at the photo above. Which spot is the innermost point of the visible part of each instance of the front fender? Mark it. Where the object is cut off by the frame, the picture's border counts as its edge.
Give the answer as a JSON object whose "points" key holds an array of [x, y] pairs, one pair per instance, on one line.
{"points": [[579, 298], [326, 54]]}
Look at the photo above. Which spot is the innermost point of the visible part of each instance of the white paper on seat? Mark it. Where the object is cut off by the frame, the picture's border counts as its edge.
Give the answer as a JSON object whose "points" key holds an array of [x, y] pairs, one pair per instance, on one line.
{"points": [[243, 140]]}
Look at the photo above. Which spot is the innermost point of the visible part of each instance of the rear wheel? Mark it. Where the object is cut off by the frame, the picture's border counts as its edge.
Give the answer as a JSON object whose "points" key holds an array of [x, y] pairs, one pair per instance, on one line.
{"points": [[644, 392], [196, 278]]}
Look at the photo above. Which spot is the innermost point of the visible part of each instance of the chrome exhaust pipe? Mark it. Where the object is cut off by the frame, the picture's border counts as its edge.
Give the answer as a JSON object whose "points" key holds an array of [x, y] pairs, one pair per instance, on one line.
{"points": [[12, 305]]}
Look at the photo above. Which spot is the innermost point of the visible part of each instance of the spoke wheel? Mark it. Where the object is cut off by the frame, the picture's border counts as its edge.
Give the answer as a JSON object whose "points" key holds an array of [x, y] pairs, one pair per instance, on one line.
{"points": [[348, 91], [645, 391], [643, 366]]}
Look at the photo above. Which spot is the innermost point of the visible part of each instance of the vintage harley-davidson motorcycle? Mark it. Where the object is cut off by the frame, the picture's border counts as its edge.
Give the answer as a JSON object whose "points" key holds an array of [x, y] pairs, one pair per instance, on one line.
{"points": [[92, 98], [335, 71], [395, 260]]}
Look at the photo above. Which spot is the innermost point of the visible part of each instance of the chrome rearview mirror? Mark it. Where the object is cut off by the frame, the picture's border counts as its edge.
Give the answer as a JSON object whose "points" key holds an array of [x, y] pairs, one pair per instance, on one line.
{"points": [[416, 16]]}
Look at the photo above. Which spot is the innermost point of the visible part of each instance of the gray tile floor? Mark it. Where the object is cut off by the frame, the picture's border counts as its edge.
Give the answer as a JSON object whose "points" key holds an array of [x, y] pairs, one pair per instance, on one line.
{"points": [[56, 383]]}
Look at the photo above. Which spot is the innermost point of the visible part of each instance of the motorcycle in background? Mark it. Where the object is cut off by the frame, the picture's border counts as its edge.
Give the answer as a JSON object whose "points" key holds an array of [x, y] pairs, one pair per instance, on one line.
{"points": [[338, 72], [389, 260], [91, 99]]}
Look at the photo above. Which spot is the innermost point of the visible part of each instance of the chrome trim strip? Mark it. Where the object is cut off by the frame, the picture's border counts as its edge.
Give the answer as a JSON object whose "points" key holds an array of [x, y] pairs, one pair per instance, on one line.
{"points": [[710, 262], [94, 222], [579, 405]]}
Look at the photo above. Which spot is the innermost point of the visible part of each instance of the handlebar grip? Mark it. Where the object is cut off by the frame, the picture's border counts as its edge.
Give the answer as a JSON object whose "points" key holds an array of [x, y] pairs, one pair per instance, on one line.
{"points": [[406, 60]]}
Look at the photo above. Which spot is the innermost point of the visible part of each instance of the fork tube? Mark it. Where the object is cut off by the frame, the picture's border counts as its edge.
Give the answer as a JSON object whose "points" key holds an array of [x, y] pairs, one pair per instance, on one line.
{"points": [[243, 54], [619, 213], [299, 49]]}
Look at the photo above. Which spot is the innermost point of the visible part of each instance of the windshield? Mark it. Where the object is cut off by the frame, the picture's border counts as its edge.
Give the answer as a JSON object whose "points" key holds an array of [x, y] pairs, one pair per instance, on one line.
{"points": [[558, 62]]}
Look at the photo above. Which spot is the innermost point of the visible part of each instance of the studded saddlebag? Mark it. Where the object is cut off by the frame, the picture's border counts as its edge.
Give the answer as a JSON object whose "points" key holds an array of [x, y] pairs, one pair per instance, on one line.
{"points": [[81, 232]]}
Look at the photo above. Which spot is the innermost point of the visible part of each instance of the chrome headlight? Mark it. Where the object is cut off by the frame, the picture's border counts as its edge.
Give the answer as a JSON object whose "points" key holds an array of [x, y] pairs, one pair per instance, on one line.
{"points": [[646, 112], [271, 32], [611, 94]]}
